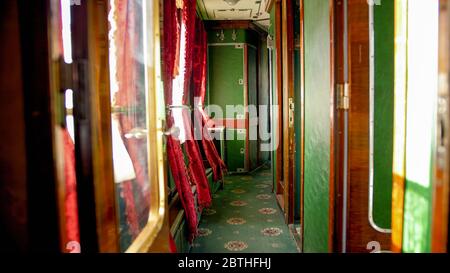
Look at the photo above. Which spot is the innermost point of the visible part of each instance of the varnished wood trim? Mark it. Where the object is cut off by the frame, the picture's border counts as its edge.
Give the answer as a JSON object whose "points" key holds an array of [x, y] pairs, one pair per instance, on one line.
{"points": [[338, 133], [105, 194], [440, 214], [288, 93], [279, 94], [359, 230]]}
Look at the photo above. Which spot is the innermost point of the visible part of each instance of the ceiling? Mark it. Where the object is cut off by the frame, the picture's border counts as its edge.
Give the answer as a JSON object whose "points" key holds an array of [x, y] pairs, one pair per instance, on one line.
{"points": [[242, 10]]}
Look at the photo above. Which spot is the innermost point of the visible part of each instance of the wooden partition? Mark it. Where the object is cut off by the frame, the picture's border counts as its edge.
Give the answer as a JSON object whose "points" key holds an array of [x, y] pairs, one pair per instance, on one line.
{"points": [[363, 235]]}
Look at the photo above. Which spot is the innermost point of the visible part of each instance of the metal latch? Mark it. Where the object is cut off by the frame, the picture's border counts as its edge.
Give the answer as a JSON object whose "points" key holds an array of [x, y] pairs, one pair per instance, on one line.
{"points": [[291, 112], [343, 96]]}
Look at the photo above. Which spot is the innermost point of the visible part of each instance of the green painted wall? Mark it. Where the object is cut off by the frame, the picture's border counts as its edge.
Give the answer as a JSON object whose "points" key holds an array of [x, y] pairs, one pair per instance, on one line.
{"points": [[235, 159], [226, 68], [384, 112], [226, 84], [317, 129]]}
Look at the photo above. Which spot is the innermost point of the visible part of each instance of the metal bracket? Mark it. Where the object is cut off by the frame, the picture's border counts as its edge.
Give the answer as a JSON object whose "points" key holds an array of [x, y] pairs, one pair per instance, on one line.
{"points": [[343, 96], [291, 112]]}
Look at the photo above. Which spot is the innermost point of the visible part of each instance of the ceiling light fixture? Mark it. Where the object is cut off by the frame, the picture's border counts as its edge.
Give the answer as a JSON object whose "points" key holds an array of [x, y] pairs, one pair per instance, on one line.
{"points": [[231, 2]]}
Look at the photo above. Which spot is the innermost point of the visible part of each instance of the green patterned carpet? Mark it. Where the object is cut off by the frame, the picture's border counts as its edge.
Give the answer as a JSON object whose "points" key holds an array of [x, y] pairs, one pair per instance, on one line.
{"points": [[244, 218]]}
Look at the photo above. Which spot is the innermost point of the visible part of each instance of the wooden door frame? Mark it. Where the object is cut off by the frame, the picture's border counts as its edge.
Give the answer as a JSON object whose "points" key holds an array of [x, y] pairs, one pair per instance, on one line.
{"points": [[288, 99], [99, 230], [43, 226], [440, 212], [279, 95], [339, 132]]}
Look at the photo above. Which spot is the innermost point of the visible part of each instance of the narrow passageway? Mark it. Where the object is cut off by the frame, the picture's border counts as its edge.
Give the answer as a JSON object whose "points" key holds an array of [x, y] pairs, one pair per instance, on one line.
{"points": [[245, 217]]}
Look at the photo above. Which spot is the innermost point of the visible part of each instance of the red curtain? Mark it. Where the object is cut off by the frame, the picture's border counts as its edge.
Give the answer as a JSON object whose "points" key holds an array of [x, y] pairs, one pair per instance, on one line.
{"points": [[199, 76], [71, 205], [196, 168], [129, 68], [174, 152]]}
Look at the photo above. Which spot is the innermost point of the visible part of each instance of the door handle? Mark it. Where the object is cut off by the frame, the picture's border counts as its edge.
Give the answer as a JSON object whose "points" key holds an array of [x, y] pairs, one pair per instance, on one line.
{"points": [[137, 133]]}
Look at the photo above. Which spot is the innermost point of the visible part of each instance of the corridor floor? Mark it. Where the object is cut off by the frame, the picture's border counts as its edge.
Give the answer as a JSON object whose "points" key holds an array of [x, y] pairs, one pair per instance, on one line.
{"points": [[244, 218]]}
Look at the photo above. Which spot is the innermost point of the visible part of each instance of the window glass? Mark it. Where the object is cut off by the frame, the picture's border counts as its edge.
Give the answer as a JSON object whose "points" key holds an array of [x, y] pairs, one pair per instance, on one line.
{"points": [[129, 116]]}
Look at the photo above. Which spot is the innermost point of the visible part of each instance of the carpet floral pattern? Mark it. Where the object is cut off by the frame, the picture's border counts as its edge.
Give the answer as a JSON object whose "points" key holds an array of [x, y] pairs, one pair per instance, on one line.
{"points": [[244, 218]]}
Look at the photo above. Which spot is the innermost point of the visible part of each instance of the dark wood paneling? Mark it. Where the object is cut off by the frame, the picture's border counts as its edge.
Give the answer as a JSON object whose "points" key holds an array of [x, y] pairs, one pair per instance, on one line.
{"points": [[13, 195], [43, 225], [340, 123], [83, 132]]}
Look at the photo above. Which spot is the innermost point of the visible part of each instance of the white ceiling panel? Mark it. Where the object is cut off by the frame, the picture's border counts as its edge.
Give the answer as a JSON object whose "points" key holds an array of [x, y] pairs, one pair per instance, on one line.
{"points": [[241, 10]]}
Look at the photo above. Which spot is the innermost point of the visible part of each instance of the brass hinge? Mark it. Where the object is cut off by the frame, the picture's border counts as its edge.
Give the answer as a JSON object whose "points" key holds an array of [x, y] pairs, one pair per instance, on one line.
{"points": [[343, 96], [66, 75]]}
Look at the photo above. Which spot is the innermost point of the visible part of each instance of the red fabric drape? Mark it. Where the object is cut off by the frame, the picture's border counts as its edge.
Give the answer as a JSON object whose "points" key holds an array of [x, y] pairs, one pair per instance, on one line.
{"points": [[174, 152], [71, 204], [196, 168], [199, 76], [128, 38]]}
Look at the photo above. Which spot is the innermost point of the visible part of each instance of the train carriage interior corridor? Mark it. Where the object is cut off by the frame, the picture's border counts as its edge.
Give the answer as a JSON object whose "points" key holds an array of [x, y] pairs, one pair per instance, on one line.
{"points": [[225, 126]]}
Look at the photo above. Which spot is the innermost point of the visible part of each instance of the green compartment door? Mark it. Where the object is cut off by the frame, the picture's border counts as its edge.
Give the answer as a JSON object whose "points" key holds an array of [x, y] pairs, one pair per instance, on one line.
{"points": [[317, 128], [235, 147], [226, 79]]}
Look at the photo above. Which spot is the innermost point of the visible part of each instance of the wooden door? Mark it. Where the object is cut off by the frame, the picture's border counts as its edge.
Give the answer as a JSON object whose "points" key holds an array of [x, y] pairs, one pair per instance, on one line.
{"points": [[370, 122], [317, 92]]}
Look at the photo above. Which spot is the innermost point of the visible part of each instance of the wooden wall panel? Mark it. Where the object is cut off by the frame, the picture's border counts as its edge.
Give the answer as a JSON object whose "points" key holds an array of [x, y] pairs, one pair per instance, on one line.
{"points": [[359, 232], [13, 210]]}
